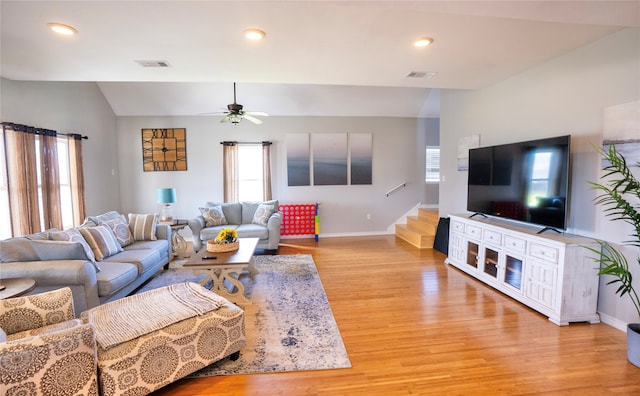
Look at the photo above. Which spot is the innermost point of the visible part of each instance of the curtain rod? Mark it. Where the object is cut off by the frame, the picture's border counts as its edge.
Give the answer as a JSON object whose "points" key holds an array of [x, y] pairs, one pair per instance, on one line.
{"points": [[231, 143], [40, 131]]}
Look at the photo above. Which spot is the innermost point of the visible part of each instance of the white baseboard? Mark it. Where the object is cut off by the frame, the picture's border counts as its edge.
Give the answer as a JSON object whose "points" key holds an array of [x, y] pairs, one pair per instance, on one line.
{"points": [[613, 322]]}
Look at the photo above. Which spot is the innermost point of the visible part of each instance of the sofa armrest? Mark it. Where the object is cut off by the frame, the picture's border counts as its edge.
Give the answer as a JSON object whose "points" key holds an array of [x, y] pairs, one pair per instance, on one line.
{"points": [[273, 226], [79, 275], [53, 370], [163, 231], [196, 225]]}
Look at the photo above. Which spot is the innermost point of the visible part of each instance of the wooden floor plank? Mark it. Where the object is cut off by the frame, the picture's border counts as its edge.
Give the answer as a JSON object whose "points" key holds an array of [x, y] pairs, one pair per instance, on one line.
{"points": [[414, 326]]}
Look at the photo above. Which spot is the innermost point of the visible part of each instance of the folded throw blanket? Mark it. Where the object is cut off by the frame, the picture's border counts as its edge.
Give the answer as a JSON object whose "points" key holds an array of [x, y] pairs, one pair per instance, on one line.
{"points": [[131, 317]]}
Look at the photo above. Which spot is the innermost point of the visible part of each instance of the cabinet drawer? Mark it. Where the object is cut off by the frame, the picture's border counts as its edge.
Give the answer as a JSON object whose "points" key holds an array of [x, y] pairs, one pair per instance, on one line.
{"points": [[473, 231], [492, 236], [516, 244], [544, 252], [457, 226]]}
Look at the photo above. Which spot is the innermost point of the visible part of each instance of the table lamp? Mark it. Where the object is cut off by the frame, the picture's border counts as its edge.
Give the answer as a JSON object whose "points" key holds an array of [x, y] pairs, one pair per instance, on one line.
{"points": [[166, 196]]}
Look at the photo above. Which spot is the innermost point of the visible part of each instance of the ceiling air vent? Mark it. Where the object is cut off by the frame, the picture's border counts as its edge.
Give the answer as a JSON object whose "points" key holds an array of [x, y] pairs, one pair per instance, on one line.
{"points": [[417, 74], [153, 63]]}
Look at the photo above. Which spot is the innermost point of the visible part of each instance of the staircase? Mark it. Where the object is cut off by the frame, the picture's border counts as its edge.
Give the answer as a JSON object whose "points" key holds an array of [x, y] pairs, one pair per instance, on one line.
{"points": [[420, 230]]}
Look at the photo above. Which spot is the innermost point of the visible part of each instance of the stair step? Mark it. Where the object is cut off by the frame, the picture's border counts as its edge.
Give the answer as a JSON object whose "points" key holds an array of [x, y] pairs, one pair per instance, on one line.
{"points": [[417, 239], [418, 223], [430, 215]]}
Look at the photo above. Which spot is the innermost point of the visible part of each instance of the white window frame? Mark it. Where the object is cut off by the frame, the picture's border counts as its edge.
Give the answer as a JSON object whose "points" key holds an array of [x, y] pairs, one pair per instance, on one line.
{"points": [[432, 165], [250, 173]]}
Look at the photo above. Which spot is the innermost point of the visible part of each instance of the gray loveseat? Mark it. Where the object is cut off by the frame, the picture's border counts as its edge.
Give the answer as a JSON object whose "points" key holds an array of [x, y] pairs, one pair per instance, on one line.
{"points": [[250, 220], [105, 259]]}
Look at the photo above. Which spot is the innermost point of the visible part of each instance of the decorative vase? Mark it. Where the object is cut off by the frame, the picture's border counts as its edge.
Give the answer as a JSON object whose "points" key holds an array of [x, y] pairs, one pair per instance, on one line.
{"points": [[633, 343]]}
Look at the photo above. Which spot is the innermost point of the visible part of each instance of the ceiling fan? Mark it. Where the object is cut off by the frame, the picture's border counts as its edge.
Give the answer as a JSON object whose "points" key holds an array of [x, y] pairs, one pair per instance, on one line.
{"points": [[235, 112]]}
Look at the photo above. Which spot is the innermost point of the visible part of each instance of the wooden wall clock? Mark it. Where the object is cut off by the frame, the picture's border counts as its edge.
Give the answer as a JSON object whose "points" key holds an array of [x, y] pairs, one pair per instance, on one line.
{"points": [[164, 149]]}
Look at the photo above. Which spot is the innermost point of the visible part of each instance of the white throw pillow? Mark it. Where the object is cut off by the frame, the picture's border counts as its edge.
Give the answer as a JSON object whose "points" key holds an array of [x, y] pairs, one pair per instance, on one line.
{"points": [[261, 217], [213, 216]]}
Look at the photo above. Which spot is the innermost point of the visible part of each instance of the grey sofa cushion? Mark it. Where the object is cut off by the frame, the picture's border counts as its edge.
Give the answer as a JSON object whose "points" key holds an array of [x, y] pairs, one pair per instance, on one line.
{"points": [[249, 209], [252, 231], [60, 250], [111, 215], [17, 249], [232, 211], [161, 245], [114, 276], [142, 258]]}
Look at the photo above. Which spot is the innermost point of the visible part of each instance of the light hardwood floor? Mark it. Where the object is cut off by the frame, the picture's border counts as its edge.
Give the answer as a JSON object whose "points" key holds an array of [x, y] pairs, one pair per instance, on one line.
{"points": [[414, 326]]}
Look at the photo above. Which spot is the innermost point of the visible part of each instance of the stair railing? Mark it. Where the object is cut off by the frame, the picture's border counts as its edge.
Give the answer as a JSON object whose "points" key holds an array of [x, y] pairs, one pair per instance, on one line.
{"points": [[396, 188]]}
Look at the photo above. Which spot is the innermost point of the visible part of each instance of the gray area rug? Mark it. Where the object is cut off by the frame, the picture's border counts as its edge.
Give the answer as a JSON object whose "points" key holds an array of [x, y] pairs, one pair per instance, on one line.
{"points": [[289, 325]]}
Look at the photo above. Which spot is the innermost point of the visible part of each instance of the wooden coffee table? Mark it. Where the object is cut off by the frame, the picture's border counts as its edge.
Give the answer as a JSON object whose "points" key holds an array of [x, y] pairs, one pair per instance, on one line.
{"points": [[225, 269]]}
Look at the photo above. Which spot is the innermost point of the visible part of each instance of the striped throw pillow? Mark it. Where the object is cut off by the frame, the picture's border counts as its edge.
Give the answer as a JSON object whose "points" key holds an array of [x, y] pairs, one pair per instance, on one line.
{"points": [[143, 226], [102, 240]]}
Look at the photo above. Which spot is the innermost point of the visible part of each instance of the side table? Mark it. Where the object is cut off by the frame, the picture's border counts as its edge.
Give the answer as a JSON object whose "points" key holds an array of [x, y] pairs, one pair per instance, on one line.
{"points": [[14, 287], [179, 245]]}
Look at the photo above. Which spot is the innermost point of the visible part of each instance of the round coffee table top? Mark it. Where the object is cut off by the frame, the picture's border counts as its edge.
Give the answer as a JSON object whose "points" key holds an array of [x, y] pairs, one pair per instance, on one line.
{"points": [[14, 287]]}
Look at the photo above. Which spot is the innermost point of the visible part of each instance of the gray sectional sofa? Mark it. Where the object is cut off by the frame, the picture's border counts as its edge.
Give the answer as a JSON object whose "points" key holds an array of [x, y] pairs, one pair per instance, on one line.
{"points": [[105, 259], [250, 220]]}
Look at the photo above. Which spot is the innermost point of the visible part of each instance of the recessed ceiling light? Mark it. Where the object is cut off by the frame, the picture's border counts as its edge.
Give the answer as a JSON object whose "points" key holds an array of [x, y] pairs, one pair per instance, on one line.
{"points": [[254, 34], [62, 29], [423, 41]]}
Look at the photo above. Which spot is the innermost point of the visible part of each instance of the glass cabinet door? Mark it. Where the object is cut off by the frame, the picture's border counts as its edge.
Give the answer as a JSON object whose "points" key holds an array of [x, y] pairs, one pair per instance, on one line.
{"points": [[472, 254], [490, 262], [513, 272]]}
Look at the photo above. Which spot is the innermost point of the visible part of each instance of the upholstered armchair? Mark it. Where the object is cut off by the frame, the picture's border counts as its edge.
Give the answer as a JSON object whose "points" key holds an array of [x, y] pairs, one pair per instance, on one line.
{"points": [[44, 350]]}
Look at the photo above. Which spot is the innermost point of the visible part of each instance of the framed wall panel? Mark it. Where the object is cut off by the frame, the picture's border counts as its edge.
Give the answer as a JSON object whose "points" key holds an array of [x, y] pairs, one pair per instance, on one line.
{"points": [[298, 161], [329, 159], [361, 148]]}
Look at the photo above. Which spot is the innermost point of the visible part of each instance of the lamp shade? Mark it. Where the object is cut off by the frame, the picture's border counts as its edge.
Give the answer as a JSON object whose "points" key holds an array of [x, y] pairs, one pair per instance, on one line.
{"points": [[166, 195]]}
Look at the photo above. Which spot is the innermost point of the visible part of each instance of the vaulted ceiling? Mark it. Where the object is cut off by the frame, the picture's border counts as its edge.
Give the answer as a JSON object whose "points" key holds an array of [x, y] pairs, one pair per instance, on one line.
{"points": [[318, 57]]}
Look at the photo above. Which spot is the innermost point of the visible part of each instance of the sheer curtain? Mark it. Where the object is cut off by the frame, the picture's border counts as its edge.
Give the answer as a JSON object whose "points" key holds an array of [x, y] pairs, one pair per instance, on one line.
{"points": [[266, 171], [22, 180], [230, 171]]}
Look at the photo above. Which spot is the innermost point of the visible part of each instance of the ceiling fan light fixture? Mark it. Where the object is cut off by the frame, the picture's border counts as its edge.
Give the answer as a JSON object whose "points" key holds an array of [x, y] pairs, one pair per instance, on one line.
{"points": [[423, 41], [62, 29], [254, 34]]}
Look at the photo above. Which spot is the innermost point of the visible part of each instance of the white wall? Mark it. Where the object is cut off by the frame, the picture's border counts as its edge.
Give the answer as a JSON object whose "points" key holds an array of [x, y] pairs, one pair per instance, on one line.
{"points": [[567, 95], [398, 156], [72, 107]]}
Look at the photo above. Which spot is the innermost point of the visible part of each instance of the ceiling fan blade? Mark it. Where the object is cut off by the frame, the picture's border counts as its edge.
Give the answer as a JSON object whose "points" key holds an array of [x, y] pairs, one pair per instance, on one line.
{"points": [[252, 119], [257, 113], [226, 118]]}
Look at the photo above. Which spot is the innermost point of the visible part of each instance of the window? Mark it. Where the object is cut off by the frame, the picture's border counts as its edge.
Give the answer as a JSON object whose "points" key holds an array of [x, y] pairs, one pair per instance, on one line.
{"points": [[66, 201], [250, 172], [432, 173]]}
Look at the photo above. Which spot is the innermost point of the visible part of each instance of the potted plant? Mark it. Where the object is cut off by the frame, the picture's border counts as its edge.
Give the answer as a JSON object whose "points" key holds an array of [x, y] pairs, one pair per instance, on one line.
{"points": [[618, 188]]}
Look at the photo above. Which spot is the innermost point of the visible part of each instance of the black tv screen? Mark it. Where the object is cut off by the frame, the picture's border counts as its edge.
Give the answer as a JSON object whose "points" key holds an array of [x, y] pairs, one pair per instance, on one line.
{"points": [[524, 181]]}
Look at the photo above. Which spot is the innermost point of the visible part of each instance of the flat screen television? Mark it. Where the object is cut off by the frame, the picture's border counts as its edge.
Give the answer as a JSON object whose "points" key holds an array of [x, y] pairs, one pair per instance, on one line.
{"points": [[523, 181]]}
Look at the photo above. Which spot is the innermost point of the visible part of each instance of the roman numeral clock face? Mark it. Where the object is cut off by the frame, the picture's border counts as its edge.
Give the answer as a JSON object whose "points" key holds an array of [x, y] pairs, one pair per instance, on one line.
{"points": [[164, 149]]}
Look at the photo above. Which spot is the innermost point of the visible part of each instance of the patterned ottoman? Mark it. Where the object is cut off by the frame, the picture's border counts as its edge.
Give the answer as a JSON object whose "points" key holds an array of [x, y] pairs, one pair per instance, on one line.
{"points": [[138, 352]]}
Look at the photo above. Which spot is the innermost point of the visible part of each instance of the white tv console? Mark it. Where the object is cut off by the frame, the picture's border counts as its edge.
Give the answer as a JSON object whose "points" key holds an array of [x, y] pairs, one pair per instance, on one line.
{"points": [[551, 273]]}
